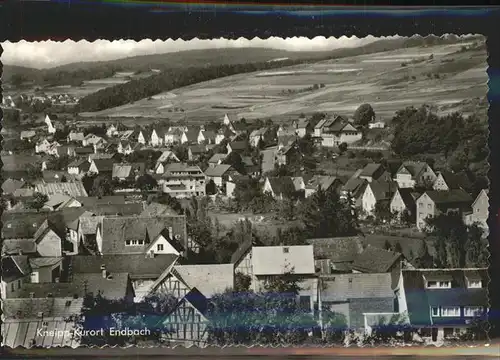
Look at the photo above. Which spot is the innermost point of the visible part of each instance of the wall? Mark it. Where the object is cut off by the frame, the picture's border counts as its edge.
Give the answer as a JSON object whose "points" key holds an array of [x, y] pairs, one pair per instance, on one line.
{"points": [[369, 305], [425, 207], [6, 288], [50, 245], [440, 184], [405, 181], [397, 204], [369, 201], [167, 247], [45, 274]]}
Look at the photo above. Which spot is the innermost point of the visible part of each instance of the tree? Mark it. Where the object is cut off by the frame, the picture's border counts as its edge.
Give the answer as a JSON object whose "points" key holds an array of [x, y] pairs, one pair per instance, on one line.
{"points": [[477, 247], [146, 183], [398, 248], [102, 186], [387, 245], [363, 115], [242, 282], [33, 172], [343, 147], [383, 211], [38, 201], [424, 259], [287, 283], [334, 326], [211, 188]]}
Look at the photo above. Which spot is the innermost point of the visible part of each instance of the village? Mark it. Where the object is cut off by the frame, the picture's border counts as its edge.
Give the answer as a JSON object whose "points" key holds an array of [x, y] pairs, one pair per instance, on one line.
{"points": [[179, 217]]}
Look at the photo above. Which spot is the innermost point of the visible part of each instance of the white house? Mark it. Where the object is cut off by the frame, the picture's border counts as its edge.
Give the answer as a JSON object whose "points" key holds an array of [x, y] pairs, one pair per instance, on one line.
{"points": [[414, 173], [50, 127], [376, 125], [156, 138], [111, 131], [336, 130]]}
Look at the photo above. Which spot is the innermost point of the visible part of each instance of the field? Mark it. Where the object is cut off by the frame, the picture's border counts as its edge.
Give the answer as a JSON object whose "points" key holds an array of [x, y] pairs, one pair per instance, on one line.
{"points": [[445, 76]]}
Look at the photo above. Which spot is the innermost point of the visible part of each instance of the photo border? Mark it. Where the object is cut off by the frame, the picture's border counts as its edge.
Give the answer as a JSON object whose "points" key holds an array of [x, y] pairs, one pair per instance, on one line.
{"points": [[36, 21]]}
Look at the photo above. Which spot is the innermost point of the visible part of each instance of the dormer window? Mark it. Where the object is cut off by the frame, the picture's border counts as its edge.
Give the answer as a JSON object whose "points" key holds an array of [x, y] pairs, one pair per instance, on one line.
{"points": [[474, 284], [443, 284]]}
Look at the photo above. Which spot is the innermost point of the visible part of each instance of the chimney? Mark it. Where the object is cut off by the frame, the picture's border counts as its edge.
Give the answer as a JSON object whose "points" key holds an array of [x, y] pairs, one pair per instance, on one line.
{"points": [[19, 252], [57, 280], [32, 295], [170, 232], [103, 271]]}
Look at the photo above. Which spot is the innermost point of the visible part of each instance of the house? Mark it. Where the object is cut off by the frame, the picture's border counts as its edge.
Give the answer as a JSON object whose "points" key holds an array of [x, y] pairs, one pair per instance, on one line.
{"points": [[286, 130], [182, 180], [480, 211], [156, 137], [65, 150], [74, 189], [224, 133], [323, 182], [23, 317], [434, 202], [167, 156], [287, 140], [93, 140], [447, 180], [218, 174], [217, 159], [206, 137], [443, 303], [303, 127], [268, 159], [358, 297], [279, 187], [173, 136], [252, 167], [376, 192], [376, 125], [190, 136], [124, 147], [226, 121], [335, 130], [60, 201], [50, 127], [78, 167], [42, 146], [102, 166], [414, 173], [128, 171], [45, 269], [27, 135], [287, 154], [242, 257], [15, 273], [181, 279], [336, 255], [143, 270], [233, 177], [374, 171], [404, 200], [237, 146], [195, 151], [187, 323], [111, 131], [74, 136], [260, 135], [353, 189], [141, 235]]}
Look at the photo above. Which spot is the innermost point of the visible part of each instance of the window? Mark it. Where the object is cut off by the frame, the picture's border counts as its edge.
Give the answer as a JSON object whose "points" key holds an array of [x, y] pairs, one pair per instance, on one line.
{"points": [[12, 287], [127, 242], [432, 284], [286, 250], [435, 311], [450, 311], [428, 206], [18, 284], [473, 311], [475, 284], [159, 247], [439, 284]]}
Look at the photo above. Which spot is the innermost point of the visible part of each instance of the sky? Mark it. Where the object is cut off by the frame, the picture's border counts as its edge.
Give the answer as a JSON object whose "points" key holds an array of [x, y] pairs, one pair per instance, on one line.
{"points": [[46, 54]]}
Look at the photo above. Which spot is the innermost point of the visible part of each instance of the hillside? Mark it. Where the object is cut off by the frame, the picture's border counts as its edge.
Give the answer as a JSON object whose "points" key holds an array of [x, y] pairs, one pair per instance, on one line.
{"points": [[76, 73], [446, 76]]}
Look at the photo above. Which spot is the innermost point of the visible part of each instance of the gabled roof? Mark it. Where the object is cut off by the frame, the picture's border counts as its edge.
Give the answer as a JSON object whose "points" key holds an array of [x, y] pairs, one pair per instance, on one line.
{"points": [[89, 201], [343, 287], [157, 209], [217, 157], [383, 189], [244, 248], [117, 230], [88, 224], [167, 155], [137, 265], [104, 165], [275, 260], [14, 246], [41, 262], [128, 170], [12, 269], [259, 132], [338, 249], [355, 186], [408, 195], [371, 169], [238, 145], [281, 185], [218, 170], [413, 167], [74, 188], [375, 260], [116, 209], [113, 287], [9, 186], [195, 276], [209, 134], [323, 181], [84, 150], [457, 196], [455, 180], [197, 149], [192, 135], [28, 308]]}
